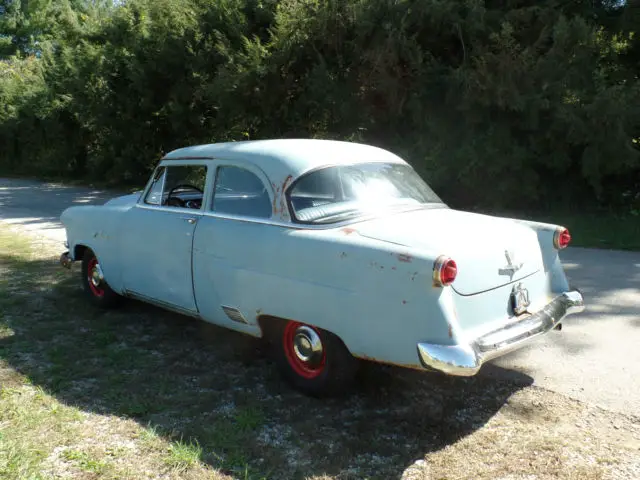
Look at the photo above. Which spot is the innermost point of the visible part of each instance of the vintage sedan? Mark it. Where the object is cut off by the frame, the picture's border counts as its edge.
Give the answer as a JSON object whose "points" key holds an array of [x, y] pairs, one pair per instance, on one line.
{"points": [[332, 251]]}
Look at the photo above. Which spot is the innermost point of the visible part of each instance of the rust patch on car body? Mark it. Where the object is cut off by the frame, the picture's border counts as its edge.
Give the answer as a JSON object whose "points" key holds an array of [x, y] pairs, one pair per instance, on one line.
{"points": [[403, 257], [349, 231], [450, 331], [274, 206], [283, 203]]}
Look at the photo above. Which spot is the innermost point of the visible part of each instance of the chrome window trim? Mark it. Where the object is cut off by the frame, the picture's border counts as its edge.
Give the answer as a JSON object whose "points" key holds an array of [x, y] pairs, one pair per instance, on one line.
{"points": [[212, 164], [171, 162], [187, 163], [180, 210], [281, 224], [287, 193], [303, 226], [222, 163], [151, 182]]}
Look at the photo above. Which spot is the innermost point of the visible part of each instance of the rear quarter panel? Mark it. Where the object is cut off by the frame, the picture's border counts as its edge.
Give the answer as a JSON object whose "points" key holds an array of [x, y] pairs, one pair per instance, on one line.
{"points": [[377, 297]]}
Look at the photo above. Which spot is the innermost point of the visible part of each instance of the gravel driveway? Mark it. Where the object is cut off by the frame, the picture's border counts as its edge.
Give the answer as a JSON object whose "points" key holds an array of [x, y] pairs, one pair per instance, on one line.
{"points": [[595, 358]]}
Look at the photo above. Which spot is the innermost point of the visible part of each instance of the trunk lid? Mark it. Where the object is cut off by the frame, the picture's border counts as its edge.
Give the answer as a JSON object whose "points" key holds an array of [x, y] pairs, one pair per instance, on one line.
{"points": [[490, 252]]}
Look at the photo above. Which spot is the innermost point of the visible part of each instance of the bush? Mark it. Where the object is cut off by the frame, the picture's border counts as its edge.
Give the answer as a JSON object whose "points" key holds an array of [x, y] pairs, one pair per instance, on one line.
{"points": [[507, 104]]}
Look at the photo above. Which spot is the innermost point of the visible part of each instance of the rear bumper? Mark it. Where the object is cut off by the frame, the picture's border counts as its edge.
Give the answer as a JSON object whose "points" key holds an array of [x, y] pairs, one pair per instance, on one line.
{"points": [[466, 359]]}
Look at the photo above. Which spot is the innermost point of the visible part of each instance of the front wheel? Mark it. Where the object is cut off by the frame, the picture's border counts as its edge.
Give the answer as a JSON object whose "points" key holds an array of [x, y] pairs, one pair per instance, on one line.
{"points": [[94, 283], [313, 360]]}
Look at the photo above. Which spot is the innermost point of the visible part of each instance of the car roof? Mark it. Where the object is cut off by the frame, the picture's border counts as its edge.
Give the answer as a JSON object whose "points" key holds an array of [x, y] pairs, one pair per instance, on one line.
{"points": [[282, 158]]}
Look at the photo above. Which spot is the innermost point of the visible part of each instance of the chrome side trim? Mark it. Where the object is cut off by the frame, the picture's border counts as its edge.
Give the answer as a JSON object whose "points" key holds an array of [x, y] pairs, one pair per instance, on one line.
{"points": [[494, 288], [180, 210], [277, 223], [234, 314], [466, 359], [302, 226], [161, 304]]}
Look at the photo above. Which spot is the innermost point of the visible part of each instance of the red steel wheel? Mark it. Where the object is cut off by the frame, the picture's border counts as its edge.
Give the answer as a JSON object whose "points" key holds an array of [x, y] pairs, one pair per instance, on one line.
{"points": [[95, 277], [313, 360], [304, 350], [94, 283]]}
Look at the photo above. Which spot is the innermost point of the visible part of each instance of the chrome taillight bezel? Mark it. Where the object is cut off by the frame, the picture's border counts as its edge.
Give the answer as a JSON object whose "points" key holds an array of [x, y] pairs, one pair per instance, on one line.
{"points": [[439, 266], [558, 242]]}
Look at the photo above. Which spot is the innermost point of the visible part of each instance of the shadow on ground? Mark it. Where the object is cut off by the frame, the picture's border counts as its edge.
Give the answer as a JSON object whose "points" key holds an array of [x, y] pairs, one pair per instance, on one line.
{"points": [[195, 381]]}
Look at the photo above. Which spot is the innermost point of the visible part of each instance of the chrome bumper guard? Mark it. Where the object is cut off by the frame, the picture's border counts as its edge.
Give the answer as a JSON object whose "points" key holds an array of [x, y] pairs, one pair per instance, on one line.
{"points": [[466, 359], [65, 260]]}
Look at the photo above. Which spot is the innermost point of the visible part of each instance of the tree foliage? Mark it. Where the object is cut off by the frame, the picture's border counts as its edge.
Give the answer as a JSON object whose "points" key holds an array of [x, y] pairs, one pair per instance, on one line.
{"points": [[498, 102]]}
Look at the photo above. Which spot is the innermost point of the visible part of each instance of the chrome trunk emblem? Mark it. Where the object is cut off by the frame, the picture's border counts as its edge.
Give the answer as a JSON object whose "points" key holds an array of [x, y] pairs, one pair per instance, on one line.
{"points": [[511, 268]]}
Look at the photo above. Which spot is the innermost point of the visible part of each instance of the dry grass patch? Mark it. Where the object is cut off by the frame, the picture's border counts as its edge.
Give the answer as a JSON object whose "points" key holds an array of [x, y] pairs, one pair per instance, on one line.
{"points": [[557, 438], [140, 393]]}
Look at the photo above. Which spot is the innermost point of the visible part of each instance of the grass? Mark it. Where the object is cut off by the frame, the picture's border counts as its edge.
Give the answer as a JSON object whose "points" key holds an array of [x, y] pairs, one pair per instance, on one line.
{"points": [[183, 456], [141, 393]]}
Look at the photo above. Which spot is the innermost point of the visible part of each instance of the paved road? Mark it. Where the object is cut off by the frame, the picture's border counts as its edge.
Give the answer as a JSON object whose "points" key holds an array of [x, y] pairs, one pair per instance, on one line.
{"points": [[596, 357]]}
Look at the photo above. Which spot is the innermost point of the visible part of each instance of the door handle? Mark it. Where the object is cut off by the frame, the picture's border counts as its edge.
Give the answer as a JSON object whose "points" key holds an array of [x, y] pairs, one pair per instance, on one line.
{"points": [[190, 220]]}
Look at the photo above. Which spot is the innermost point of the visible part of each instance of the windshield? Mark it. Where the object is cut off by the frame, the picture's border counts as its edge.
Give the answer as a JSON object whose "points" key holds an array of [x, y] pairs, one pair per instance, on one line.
{"points": [[335, 194]]}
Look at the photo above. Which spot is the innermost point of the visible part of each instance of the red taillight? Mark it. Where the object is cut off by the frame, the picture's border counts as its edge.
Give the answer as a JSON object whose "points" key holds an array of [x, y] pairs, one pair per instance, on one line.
{"points": [[445, 271], [561, 238]]}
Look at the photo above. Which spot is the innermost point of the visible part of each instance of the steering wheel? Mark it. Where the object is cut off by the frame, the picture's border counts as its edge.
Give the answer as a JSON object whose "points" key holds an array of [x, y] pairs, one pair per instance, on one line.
{"points": [[176, 202]]}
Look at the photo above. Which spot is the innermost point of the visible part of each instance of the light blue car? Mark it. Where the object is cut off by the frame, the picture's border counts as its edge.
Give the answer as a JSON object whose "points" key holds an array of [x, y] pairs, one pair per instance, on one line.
{"points": [[332, 251]]}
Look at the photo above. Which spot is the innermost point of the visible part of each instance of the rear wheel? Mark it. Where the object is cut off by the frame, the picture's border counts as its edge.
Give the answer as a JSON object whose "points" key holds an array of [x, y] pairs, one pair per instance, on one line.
{"points": [[94, 283], [313, 360]]}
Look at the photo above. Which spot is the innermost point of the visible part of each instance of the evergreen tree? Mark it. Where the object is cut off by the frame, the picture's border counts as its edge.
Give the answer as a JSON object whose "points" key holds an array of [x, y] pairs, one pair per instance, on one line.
{"points": [[497, 102]]}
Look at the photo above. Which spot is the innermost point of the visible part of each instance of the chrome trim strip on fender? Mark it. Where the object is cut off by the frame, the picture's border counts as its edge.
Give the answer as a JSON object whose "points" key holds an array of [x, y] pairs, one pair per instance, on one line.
{"points": [[160, 303], [234, 314], [277, 223], [466, 359], [179, 210]]}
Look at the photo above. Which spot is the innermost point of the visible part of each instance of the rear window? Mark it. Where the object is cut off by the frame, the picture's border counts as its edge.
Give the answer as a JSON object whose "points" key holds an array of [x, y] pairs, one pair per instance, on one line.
{"points": [[334, 194]]}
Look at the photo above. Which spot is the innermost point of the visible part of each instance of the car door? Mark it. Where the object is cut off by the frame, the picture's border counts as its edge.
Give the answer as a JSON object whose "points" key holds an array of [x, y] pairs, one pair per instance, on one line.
{"points": [[232, 246], [158, 236]]}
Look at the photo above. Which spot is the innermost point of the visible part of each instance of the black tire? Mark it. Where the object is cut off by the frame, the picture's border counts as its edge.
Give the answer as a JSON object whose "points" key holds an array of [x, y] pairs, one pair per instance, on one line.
{"points": [[329, 374], [100, 294]]}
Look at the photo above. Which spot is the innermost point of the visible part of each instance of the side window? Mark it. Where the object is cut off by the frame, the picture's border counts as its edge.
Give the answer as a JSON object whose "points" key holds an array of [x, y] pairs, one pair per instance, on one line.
{"points": [[154, 196], [178, 186], [240, 192], [316, 189]]}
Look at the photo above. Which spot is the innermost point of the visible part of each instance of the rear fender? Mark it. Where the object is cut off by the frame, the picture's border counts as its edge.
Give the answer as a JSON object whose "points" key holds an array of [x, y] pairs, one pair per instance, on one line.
{"points": [[377, 297], [550, 254]]}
